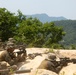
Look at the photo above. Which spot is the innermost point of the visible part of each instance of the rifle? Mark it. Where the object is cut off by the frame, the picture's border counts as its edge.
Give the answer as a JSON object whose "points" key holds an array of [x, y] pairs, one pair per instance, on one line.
{"points": [[20, 52], [17, 71]]}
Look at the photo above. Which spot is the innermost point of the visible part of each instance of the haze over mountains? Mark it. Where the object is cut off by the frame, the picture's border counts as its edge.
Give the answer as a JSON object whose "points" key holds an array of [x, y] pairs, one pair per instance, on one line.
{"points": [[45, 18]]}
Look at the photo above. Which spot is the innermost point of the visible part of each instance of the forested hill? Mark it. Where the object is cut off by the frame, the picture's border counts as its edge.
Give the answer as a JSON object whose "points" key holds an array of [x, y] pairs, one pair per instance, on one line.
{"points": [[45, 18], [69, 27]]}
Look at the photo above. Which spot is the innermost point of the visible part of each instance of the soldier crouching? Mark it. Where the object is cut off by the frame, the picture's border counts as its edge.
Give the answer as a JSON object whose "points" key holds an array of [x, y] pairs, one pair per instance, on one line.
{"points": [[10, 49], [21, 54]]}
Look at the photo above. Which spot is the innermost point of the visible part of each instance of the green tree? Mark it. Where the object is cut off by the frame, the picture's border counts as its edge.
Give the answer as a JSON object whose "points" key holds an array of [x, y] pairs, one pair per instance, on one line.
{"points": [[52, 34], [34, 33], [28, 30], [8, 22], [20, 16]]}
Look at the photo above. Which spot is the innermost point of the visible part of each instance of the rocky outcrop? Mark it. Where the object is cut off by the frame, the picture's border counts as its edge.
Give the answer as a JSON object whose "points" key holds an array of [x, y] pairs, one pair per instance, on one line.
{"points": [[42, 72], [33, 63], [68, 70]]}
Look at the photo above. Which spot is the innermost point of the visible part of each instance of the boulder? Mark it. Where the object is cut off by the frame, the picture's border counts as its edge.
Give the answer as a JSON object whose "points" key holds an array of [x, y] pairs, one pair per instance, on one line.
{"points": [[42, 72], [4, 65], [68, 70], [34, 64], [33, 55]]}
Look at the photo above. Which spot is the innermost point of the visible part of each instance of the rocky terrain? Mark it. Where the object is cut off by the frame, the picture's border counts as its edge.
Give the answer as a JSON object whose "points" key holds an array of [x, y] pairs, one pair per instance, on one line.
{"points": [[41, 54], [34, 63]]}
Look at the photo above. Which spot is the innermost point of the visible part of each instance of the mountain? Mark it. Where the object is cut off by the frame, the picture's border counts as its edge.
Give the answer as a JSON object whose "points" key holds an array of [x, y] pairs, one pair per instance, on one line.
{"points": [[69, 26], [45, 18]]}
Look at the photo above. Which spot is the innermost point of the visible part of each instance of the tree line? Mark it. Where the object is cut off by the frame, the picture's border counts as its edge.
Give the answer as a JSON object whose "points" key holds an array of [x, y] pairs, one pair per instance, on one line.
{"points": [[30, 31]]}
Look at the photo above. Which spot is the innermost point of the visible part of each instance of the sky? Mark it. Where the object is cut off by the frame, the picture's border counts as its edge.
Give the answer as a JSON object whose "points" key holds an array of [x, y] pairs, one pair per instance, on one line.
{"points": [[53, 8]]}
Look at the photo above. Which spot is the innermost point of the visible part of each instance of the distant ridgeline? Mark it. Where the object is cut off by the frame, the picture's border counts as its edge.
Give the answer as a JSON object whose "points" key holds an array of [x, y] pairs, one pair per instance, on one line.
{"points": [[69, 27], [45, 18]]}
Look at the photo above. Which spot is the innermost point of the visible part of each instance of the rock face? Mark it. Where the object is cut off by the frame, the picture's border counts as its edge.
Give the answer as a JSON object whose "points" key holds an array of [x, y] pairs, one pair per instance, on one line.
{"points": [[33, 63], [68, 70], [42, 72]]}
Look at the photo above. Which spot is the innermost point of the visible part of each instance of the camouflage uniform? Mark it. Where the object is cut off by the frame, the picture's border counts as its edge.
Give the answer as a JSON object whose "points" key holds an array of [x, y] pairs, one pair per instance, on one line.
{"points": [[11, 47], [21, 54]]}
